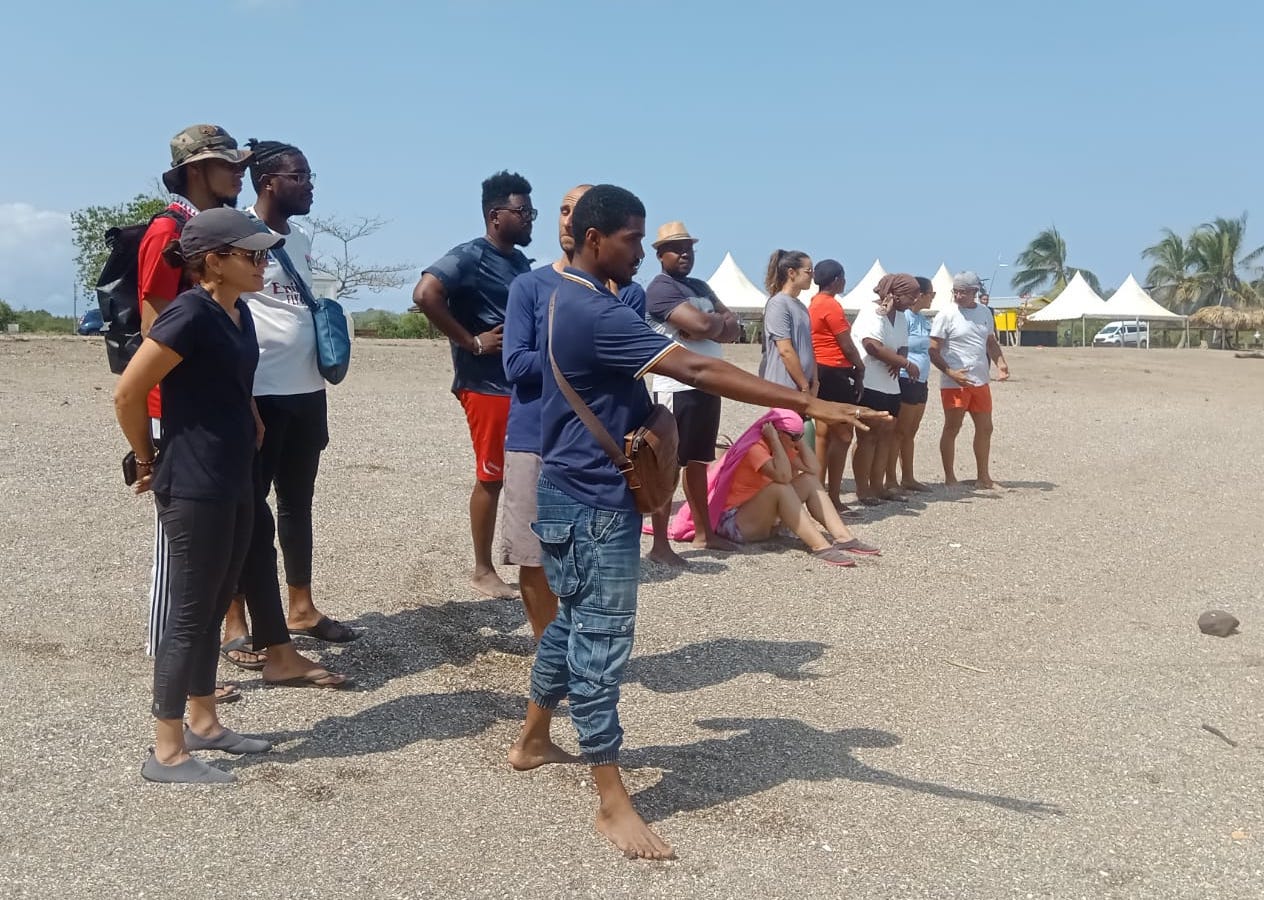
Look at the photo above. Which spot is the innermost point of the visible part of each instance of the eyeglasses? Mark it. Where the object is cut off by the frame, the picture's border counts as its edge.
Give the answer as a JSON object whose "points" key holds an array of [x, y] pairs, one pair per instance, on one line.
{"points": [[525, 212], [300, 177], [258, 257], [793, 436]]}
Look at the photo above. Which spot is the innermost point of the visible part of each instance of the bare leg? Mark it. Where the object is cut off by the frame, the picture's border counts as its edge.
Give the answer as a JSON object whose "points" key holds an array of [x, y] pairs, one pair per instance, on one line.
{"points": [[884, 453], [862, 462], [908, 424], [696, 497], [483, 502], [838, 441], [203, 720], [948, 442], [285, 662], [169, 746], [235, 627], [815, 498], [661, 551], [619, 821], [535, 747], [983, 448], [537, 597], [757, 516], [302, 609]]}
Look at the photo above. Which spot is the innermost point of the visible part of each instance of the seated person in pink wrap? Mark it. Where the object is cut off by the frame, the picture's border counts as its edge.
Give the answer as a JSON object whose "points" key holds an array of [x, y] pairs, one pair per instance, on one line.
{"points": [[770, 475]]}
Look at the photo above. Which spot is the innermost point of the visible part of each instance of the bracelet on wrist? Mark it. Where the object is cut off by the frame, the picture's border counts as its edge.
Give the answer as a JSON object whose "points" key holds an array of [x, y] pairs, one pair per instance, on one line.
{"points": [[478, 346]]}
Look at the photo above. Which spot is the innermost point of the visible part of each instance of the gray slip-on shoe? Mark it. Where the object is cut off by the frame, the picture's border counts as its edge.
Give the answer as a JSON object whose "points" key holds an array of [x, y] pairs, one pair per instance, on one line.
{"points": [[191, 771], [228, 741]]}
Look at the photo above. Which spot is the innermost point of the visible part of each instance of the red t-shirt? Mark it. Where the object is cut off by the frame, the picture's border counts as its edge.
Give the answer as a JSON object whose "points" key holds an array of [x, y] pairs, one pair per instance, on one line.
{"points": [[156, 279], [828, 320]]}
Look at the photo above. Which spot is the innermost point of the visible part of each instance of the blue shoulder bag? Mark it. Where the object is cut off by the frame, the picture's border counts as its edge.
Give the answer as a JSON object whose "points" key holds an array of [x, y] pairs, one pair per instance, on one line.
{"points": [[333, 343]]}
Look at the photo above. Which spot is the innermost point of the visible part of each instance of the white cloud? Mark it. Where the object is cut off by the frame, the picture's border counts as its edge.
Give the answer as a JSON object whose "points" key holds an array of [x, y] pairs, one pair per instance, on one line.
{"points": [[36, 258]]}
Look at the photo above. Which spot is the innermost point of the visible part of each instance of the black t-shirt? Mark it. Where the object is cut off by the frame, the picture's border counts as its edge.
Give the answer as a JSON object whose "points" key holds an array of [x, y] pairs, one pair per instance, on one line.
{"points": [[208, 427], [477, 277]]}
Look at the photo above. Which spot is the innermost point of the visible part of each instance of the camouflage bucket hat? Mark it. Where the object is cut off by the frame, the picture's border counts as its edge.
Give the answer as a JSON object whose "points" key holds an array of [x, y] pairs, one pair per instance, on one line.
{"points": [[199, 142]]}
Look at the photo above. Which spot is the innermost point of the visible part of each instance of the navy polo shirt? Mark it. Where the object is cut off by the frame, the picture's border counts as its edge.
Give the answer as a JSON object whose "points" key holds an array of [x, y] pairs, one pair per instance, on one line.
{"points": [[604, 348], [526, 323], [208, 426], [476, 277]]}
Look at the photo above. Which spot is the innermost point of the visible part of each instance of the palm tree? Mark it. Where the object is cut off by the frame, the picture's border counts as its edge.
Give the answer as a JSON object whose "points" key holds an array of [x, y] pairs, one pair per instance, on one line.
{"points": [[1171, 279], [1044, 263], [1216, 254]]}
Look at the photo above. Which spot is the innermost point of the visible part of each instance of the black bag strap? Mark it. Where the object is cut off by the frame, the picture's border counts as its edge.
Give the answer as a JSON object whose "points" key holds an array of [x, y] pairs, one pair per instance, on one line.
{"points": [[586, 415]]}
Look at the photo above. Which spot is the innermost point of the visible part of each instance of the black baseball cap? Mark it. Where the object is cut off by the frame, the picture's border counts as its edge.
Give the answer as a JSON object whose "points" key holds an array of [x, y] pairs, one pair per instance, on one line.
{"points": [[224, 227], [826, 271]]}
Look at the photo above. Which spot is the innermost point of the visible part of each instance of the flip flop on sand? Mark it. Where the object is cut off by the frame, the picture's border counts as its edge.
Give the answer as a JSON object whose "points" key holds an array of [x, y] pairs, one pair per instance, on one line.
{"points": [[328, 630], [244, 644], [227, 693], [326, 680]]}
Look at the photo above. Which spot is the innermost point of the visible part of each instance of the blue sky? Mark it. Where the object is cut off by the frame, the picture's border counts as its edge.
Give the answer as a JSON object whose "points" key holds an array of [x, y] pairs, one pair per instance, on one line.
{"points": [[917, 132]]}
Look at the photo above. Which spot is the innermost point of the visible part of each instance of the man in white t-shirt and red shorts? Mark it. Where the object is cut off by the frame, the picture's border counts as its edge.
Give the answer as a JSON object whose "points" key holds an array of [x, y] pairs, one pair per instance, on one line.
{"points": [[963, 346]]}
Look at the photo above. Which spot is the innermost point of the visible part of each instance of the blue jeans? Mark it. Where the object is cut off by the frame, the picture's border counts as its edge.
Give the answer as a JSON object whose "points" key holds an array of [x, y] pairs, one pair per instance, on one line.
{"points": [[592, 558]]}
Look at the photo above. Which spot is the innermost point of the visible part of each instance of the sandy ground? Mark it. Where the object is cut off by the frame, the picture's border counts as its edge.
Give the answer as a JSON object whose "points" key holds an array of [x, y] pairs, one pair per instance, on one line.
{"points": [[1009, 703]]}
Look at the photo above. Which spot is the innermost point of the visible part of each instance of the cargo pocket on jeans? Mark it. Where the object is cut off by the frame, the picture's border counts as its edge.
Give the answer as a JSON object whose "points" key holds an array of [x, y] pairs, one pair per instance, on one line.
{"points": [[601, 643], [557, 540]]}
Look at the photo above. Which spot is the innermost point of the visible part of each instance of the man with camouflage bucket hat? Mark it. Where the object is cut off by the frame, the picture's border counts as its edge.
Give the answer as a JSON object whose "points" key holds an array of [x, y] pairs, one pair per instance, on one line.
{"points": [[206, 173]]}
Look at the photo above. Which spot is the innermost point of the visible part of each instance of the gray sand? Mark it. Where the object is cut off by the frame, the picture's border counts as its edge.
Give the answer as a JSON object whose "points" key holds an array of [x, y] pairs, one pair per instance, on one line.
{"points": [[1007, 704]]}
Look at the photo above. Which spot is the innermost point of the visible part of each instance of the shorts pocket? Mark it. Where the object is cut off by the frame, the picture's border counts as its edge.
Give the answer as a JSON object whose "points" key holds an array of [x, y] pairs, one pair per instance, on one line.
{"points": [[557, 541], [601, 644]]}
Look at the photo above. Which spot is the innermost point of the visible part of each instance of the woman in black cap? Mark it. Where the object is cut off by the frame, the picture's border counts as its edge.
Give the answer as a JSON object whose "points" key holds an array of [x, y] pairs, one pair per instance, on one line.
{"points": [[202, 348]]}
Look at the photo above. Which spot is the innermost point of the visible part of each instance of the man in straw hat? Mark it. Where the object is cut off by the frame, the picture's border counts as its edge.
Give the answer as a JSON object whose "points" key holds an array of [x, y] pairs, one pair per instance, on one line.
{"points": [[206, 173], [962, 347], [687, 311]]}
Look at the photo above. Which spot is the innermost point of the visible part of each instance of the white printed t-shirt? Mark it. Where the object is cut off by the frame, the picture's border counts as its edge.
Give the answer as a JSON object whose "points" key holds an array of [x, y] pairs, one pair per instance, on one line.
{"points": [[965, 333], [871, 323], [283, 323]]}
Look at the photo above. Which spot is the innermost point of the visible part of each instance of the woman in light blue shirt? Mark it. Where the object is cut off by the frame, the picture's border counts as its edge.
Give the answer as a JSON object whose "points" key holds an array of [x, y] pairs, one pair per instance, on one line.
{"points": [[912, 392]]}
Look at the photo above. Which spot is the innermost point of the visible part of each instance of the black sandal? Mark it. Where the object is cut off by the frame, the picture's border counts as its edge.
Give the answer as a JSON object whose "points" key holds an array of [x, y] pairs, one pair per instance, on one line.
{"points": [[328, 630], [243, 644]]}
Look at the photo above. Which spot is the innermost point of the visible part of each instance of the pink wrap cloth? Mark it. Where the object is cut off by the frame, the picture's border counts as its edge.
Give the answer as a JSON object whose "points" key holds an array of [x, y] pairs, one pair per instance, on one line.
{"points": [[720, 478]]}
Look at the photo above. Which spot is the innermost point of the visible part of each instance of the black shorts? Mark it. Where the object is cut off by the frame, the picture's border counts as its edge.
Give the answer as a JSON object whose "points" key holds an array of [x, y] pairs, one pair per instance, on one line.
{"points": [[838, 384], [912, 392], [697, 423], [880, 401]]}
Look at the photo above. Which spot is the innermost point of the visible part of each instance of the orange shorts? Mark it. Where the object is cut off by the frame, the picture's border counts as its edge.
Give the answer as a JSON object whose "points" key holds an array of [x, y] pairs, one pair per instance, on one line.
{"points": [[977, 398], [488, 417]]}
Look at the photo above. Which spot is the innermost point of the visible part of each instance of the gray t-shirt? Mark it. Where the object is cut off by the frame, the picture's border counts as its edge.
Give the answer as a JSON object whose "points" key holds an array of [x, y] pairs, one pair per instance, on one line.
{"points": [[786, 317]]}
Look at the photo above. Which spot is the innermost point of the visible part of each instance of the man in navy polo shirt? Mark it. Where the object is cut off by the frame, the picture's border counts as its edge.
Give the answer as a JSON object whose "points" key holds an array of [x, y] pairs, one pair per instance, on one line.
{"points": [[586, 520], [525, 324], [464, 295]]}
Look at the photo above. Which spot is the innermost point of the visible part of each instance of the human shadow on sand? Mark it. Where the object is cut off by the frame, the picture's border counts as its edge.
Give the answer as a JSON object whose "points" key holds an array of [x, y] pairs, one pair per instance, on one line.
{"points": [[769, 752], [393, 725], [708, 663], [416, 640]]}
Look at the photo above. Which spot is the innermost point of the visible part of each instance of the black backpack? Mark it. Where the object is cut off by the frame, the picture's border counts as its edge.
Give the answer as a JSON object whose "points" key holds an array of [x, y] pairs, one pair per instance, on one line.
{"points": [[118, 289]]}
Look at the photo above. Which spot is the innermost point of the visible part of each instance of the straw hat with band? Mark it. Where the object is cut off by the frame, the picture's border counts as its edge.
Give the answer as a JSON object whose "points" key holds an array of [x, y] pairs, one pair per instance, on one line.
{"points": [[673, 233]]}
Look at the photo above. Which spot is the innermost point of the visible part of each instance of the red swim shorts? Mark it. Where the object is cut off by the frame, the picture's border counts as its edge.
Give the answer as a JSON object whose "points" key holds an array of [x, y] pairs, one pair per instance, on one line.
{"points": [[488, 417], [977, 398]]}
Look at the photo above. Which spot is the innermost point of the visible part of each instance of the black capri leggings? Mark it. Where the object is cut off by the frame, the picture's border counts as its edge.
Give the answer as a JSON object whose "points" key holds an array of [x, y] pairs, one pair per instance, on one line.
{"points": [[206, 544], [296, 430]]}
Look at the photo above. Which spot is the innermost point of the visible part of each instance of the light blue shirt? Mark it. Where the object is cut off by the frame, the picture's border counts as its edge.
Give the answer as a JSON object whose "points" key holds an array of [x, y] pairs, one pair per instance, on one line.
{"points": [[918, 344]]}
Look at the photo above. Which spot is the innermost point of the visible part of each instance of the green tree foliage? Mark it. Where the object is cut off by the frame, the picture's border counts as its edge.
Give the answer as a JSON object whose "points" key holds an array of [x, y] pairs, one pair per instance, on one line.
{"points": [[90, 225], [1042, 267], [384, 324], [1209, 268], [7, 315]]}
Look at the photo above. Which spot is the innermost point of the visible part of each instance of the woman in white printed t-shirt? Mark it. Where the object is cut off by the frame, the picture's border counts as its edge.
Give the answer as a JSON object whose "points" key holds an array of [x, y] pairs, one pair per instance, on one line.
{"points": [[290, 395]]}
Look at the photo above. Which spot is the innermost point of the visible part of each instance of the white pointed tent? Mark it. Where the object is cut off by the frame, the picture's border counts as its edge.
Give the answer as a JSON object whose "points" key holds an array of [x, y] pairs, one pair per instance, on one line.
{"points": [[735, 290], [1132, 302], [941, 281], [863, 291], [1077, 301]]}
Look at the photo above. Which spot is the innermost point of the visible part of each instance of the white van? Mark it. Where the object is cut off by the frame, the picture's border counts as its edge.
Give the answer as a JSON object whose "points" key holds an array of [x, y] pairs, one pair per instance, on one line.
{"points": [[1123, 334]]}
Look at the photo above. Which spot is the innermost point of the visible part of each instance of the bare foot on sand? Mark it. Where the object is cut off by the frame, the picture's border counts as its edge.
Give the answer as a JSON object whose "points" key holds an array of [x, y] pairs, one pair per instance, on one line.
{"points": [[489, 584], [951, 481], [624, 827], [715, 542], [526, 755], [985, 484], [915, 486], [666, 556]]}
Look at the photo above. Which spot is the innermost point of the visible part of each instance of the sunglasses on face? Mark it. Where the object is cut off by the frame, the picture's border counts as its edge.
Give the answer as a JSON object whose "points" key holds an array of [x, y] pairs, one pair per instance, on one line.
{"points": [[524, 212], [257, 257], [300, 177]]}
